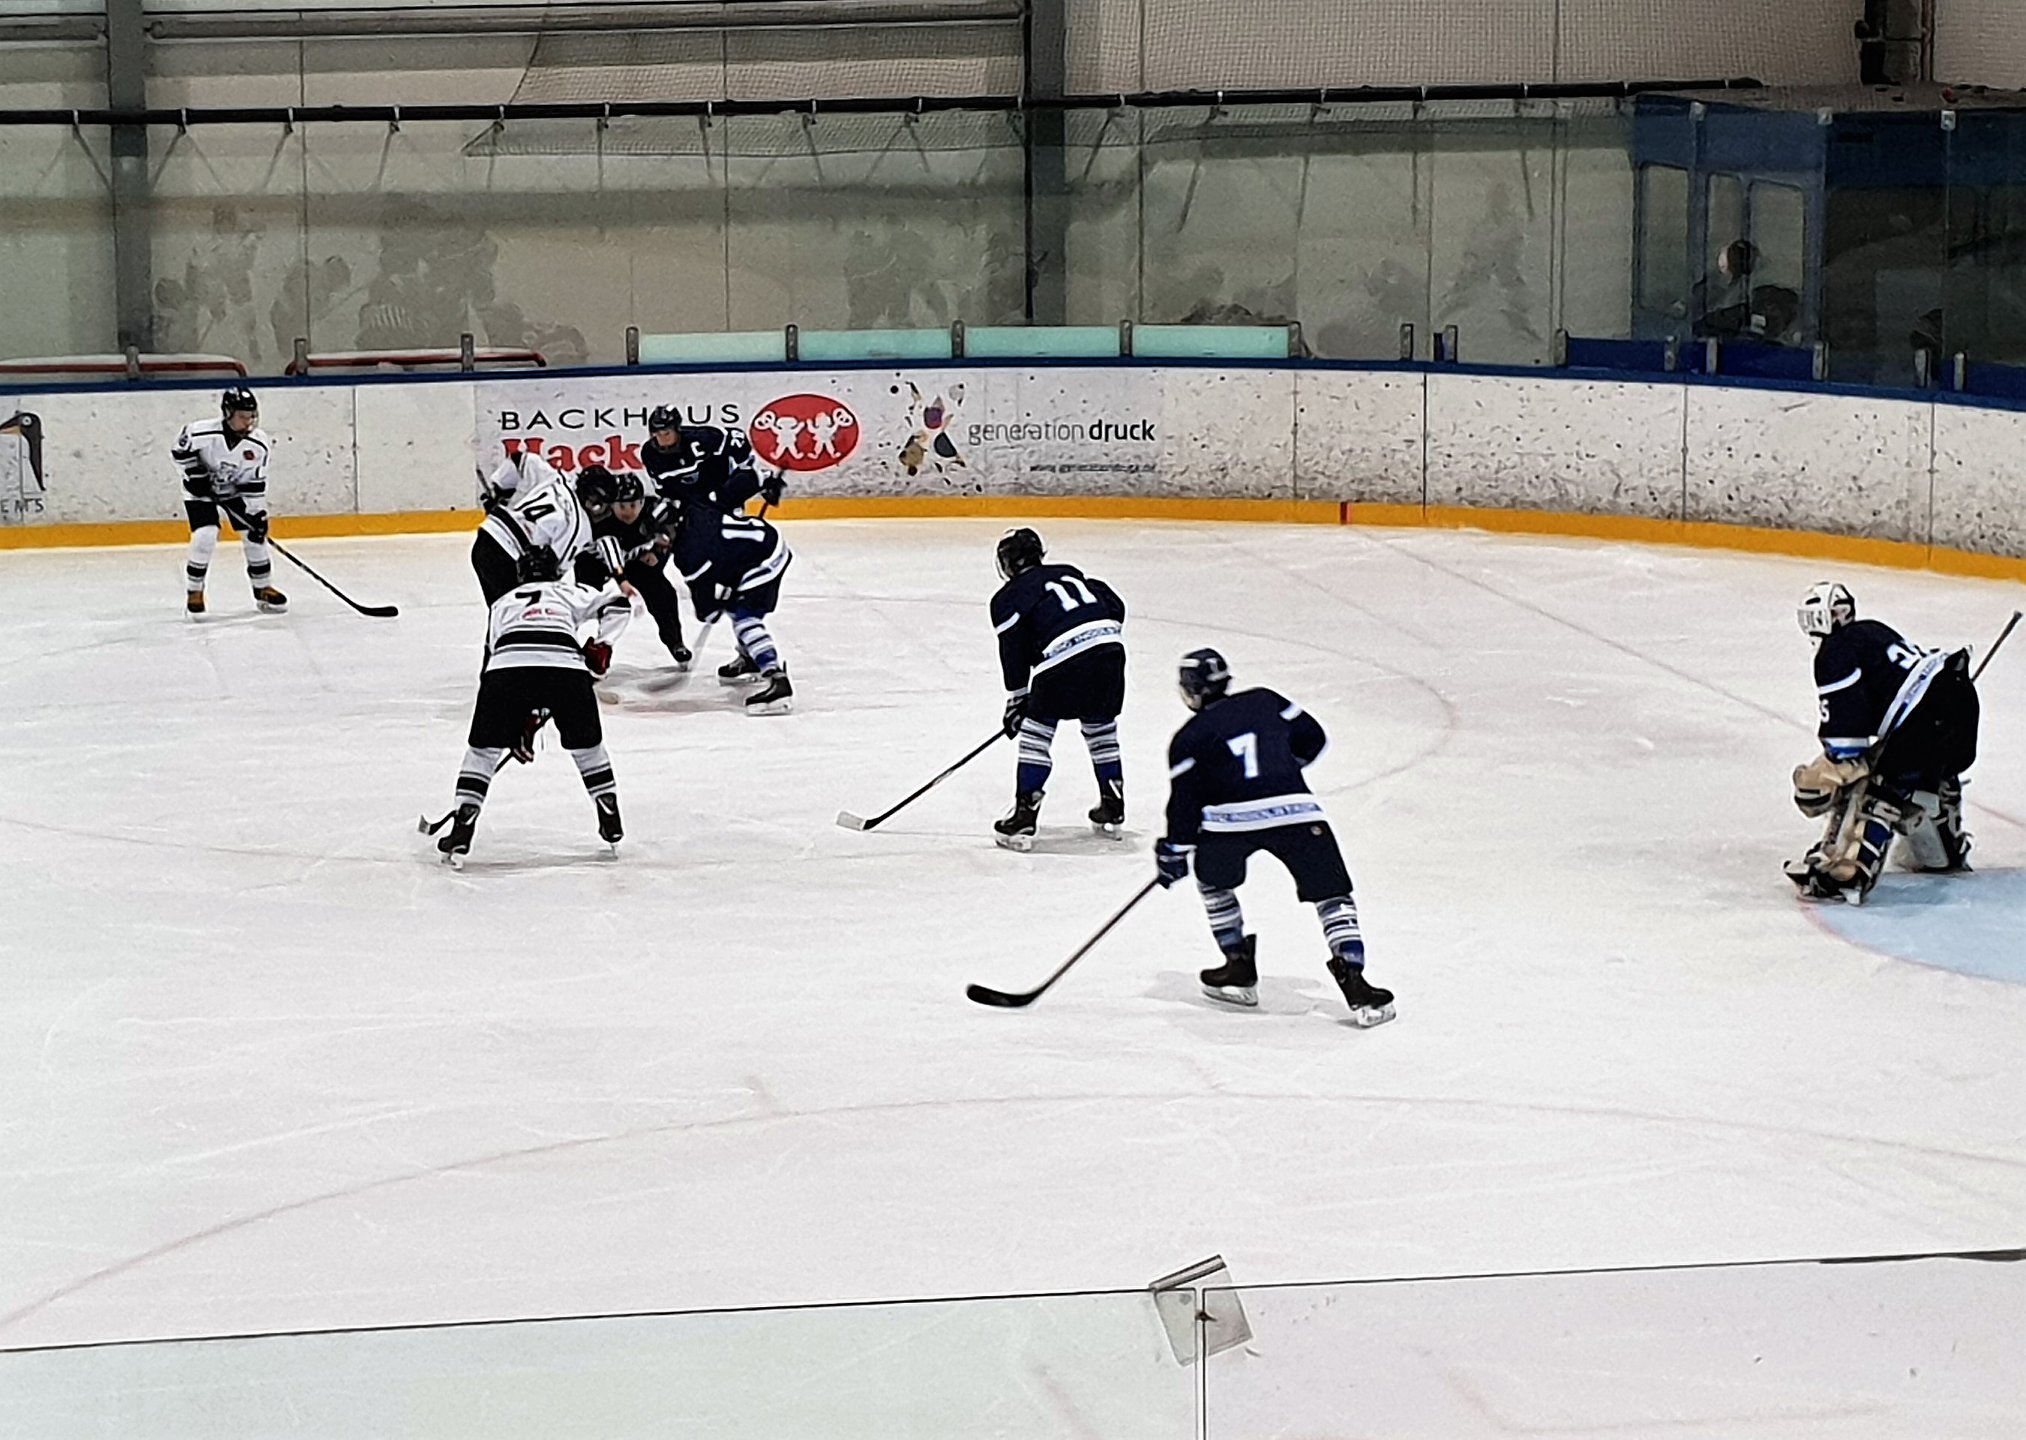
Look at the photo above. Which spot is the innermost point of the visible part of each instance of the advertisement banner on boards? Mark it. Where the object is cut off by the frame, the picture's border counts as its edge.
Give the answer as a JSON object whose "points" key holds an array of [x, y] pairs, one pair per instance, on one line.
{"points": [[863, 432], [24, 483]]}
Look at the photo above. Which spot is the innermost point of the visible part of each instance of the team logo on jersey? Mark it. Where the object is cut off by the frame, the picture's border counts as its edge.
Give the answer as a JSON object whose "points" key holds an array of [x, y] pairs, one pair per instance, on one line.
{"points": [[805, 432]]}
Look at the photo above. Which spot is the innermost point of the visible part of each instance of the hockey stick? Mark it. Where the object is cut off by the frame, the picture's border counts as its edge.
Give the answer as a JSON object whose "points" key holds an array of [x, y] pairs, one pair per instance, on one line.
{"points": [[378, 612], [1009, 1000], [858, 822], [1996, 645]]}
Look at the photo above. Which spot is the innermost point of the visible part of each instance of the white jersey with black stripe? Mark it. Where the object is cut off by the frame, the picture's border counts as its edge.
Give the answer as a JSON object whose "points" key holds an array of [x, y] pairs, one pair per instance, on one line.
{"points": [[228, 467], [544, 509], [545, 624]]}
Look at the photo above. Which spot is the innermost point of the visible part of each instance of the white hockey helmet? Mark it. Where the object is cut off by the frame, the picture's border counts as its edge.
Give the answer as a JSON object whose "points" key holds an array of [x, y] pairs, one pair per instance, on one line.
{"points": [[1825, 607]]}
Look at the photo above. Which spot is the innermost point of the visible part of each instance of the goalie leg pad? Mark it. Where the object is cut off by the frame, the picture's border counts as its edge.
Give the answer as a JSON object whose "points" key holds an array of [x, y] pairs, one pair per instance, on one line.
{"points": [[1821, 780]]}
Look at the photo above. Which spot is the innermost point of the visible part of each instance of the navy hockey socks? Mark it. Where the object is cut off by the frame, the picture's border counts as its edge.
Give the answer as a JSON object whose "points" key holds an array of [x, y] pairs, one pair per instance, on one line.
{"points": [[1227, 920], [1101, 737], [1037, 738], [754, 641], [1339, 915]]}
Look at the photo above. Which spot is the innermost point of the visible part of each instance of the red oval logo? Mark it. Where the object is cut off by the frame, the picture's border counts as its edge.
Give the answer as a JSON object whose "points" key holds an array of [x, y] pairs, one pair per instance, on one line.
{"points": [[804, 432]]}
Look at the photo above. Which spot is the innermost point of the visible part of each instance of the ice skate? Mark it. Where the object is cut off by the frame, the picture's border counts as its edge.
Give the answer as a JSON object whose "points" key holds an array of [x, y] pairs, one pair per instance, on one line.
{"points": [[738, 671], [1016, 831], [609, 828], [1108, 816], [680, 654], [457, 844], [1236, 981], [775, 695], [1369, 1004], [193, 604], [270, 600]]}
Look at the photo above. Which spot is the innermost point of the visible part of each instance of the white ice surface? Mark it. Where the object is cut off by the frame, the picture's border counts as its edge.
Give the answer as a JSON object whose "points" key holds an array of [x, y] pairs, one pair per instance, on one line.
{"points": [[266, 1065]]}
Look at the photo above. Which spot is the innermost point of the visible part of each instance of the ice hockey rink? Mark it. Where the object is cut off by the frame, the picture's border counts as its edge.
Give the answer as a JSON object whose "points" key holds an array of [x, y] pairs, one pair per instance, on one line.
{"points": [[267, 1065]]}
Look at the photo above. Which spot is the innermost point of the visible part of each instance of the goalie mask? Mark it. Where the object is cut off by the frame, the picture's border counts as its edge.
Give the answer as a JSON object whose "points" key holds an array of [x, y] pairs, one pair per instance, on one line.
{"points": [[1826, 607]]}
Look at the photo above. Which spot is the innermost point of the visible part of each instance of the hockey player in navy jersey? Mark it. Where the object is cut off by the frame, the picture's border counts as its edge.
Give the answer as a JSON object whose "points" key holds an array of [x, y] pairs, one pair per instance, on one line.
{"points": [[1236, 788], [1062, 654], [224, 465], [733, 566], [634, 541], [703, 463], [1898, 726], [539, 666]]}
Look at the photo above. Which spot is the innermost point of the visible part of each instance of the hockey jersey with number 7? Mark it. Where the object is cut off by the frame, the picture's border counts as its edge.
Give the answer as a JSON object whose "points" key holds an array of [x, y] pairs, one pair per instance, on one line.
{"points": [[545, 624]]}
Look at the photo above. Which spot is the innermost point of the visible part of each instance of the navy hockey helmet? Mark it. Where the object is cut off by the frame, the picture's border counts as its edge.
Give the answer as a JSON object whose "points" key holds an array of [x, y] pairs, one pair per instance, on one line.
{"points": [[238, 401], [664, 417], [1827, 606], [597, 489], [539, 563], [1019, 551], [627, 489], [1204, 676]]}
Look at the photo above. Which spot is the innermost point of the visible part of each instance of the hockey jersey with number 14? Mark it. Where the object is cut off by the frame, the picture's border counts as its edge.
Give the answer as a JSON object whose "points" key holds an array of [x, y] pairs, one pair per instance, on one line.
{"points": [[543, 510], [544, 624], [1238, 766]]}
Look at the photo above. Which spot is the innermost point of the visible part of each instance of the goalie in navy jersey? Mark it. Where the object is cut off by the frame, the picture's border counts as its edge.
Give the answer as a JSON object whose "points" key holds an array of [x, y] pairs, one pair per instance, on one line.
{"points": [[1062, 654], [707, 464], [634, 541], [538, 667], [1236, 788], [1898, 726], [733, 566]]}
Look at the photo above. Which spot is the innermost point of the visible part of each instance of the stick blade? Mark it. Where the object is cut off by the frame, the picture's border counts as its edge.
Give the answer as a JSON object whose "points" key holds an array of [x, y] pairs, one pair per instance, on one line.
{"points": [[850, 821], [380, 612], [986, 995]]}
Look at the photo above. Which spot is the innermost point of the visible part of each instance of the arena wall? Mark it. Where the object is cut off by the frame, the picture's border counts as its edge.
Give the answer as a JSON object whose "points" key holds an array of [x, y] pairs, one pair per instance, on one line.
{"points": [[1898, 478]]}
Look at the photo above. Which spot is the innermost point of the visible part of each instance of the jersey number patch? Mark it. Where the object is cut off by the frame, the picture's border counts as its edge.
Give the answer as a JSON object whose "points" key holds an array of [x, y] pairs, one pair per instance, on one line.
{"points": [[1246, 748], [1062, 590]]}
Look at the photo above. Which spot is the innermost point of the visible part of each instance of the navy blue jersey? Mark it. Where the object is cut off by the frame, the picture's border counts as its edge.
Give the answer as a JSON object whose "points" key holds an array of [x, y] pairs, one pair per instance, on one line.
{"points": [[719, 556], [705, 464], [1868, 676], [1049, 613], [1237, 766]]}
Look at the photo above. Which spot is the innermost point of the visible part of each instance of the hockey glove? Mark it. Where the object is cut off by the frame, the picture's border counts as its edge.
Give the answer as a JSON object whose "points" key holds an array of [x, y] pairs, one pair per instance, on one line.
{"points": [[199, 486], [1171, 862], [256, 528], [598, 655], [772, 489], [524, 748], [1016, 711]]}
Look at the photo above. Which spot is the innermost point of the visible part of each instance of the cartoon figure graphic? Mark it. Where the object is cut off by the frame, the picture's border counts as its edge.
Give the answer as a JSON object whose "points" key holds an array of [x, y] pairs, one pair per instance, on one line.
{"points": [[929, 442], [22, 485], [788, 434], [823, 430]]}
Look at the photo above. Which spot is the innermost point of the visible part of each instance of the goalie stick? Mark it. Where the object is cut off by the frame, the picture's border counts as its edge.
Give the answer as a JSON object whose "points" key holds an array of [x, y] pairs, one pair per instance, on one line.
{"points": [[1019, 999], [1996, 646], [378, 612], [859, 822]]}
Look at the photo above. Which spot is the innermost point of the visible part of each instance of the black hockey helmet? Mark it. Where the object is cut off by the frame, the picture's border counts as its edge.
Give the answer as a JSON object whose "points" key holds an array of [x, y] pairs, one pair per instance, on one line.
{"points": [[237, 401], [1019, 551], [627, 488], [1204, 676], [539, 563], [590, 569], [597, 489], [664, 417]]}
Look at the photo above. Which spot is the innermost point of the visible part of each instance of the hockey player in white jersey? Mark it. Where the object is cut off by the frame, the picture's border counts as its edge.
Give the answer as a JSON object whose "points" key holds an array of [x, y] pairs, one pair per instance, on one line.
{"points": [[539, 666], [529, 504], [224, 465]]}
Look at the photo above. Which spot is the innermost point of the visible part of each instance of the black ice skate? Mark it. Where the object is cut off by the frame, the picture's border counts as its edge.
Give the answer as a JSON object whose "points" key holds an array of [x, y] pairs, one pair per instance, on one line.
{"points": [[457, 844], [609, 828], [270, 600], [1236, 981], [1369, 1004], [738, 671], [1016, 831], [193, 603], [680, 654], [1108, 816], [775, 695]]}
